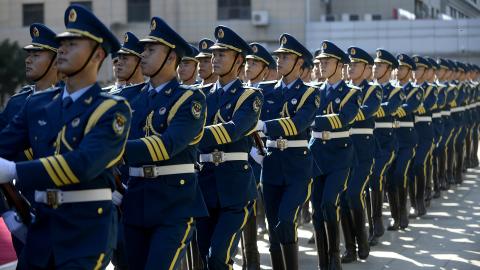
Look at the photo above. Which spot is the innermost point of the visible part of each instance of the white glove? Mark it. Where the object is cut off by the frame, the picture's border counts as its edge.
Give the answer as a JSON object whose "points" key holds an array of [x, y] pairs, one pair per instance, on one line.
{"points": [[256, 156], [260, 126], [8, 171], [15, 226], [117, 198]]}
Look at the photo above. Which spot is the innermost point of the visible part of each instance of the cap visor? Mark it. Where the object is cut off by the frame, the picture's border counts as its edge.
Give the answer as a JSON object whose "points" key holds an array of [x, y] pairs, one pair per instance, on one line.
{"points": [[69, 35], [31, 47], [202, 55]]}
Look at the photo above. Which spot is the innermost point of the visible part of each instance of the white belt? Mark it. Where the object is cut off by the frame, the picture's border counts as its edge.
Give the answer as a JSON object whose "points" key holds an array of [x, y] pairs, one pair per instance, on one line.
{"points": [[405, 124], [446, 113], [437, 115], [327, 135], [219, 157], [261, 134], [458, 109], [384, 125], [56, 197], [152, 171], [423, 119], [469, 106], [361, 131], [284, 143]]}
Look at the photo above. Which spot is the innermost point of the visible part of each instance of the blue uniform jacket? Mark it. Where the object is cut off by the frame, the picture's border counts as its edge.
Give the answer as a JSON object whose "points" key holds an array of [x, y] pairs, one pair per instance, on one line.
{"points": [[290, 117], [407, 136], [165, 131], [336, 113], [73, 149], [391, 101], [232, 116]]}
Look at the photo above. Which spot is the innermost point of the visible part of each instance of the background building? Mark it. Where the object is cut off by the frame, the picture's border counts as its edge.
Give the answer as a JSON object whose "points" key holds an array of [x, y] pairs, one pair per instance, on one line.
{"points": [[434, 27]]}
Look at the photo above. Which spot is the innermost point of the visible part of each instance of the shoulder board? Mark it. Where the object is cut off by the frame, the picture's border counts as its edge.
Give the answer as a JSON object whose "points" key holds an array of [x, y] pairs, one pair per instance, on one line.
{"points": [[53, 90], [351, 86], [188, 87], [107, 88], [268, 82], [251, 87], [110, 96]]}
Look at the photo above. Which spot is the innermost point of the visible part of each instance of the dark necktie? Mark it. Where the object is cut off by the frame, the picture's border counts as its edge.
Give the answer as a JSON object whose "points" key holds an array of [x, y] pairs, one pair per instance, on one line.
{"points": [[284, 90], [67, 102], [152, 93]]}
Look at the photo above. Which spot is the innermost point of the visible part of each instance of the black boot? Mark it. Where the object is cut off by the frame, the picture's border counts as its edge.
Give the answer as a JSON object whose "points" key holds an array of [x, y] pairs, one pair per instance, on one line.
{"points": [[290, 255], [333, 245], [442, 170], [450, 167], [369, 214], [378, 228], [306, 215], [459, 165], [402, 208], [277, 260], [250, 239], [361, 233], [420, 194], [428, 183], [413, 201], [393, 201], [322, 246], [261, 225], [350, 254]]}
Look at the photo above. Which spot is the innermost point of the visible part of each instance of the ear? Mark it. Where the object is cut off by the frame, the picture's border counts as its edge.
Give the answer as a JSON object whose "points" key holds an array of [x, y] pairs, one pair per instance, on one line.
{"points": [[100, 54]]}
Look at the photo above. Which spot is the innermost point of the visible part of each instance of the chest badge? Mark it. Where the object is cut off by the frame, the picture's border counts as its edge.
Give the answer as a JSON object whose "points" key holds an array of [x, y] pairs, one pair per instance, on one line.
{"points": [[228, 106], [88, 100], [168, 91], [162, 111], [294, 101], [337, 100], [75, 122], [42, 123]]}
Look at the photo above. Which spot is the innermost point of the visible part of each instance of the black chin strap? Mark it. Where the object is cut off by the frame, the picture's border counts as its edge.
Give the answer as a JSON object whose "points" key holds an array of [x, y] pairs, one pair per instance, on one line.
{"points": [[293, 67], [383, 74], [163, 63], [231, 67], [193, 74], [404, 76], [86, 62], [134, 70], [258, 75], [209, 76], [46, 70]]}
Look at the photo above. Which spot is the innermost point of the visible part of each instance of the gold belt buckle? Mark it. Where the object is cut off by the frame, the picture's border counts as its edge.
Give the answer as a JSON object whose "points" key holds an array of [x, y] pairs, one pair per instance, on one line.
{"points": [[282, 144], [53, 198], [325, 135], [148, 171], [396, 124], [217, 157]]}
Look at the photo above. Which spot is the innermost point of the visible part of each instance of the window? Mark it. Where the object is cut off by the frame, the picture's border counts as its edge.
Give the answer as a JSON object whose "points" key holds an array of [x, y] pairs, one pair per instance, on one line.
{"points": [[138, 10], [32, 13], [354, 17], [234, 9], [86, 4], [376, 17], [330, 18]]}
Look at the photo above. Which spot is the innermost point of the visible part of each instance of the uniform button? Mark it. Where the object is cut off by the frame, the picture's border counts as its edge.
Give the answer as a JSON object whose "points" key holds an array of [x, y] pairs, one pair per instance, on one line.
{"points": [[245, 167], [182, 182], [268, 110], [324, 112], [304, 152], [368, 137], [35, 138], [161, 125], [346, 145], [100, 211], [324, 142], [74, 139]]}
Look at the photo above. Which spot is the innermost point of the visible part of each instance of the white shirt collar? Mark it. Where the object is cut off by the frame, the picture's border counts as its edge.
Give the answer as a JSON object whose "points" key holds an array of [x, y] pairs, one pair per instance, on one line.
{"points": [[158, 88], [334, 86], [225, 87], [289, 85], [77, 94]]}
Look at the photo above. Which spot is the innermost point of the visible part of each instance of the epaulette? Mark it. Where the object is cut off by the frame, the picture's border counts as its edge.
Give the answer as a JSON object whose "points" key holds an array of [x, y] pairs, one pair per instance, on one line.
{"points": [[351, 86]]}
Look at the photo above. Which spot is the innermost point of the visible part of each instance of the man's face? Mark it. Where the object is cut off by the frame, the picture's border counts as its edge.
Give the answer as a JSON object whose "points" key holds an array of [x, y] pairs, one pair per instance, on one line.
{"points": [[355, 70], [153, 56], [125, 66], [328, 66], [223, 61], [205, 67], [187, 69], [379, 69], [253, 68], [402, 71], [73, 53], [36, 63], [441, 73], [419, 73], [285, 62]]}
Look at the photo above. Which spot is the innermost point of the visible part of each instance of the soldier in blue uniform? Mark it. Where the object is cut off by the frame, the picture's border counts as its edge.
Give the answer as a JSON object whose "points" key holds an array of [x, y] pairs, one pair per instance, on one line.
{"points": [[258, 66], [452, 93], [226, 178], [188, 68], [41, 69], [473, 81], [77, 134], [205, 68], [469, 111], [353, 199], [287, 167], [333, 151], [385, 123], [398, 179], [459, 116], [433, 182], [127, 66], [163, 197], [425, 131]]}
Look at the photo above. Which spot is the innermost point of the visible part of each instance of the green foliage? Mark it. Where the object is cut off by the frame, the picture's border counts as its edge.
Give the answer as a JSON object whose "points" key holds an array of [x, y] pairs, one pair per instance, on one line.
{"points": [[12, 68]]}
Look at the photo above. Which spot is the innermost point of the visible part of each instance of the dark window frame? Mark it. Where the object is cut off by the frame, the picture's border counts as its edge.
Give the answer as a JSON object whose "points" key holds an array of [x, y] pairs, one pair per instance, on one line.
{"points": [[136, 10], [28, 19], [234, 9]]}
